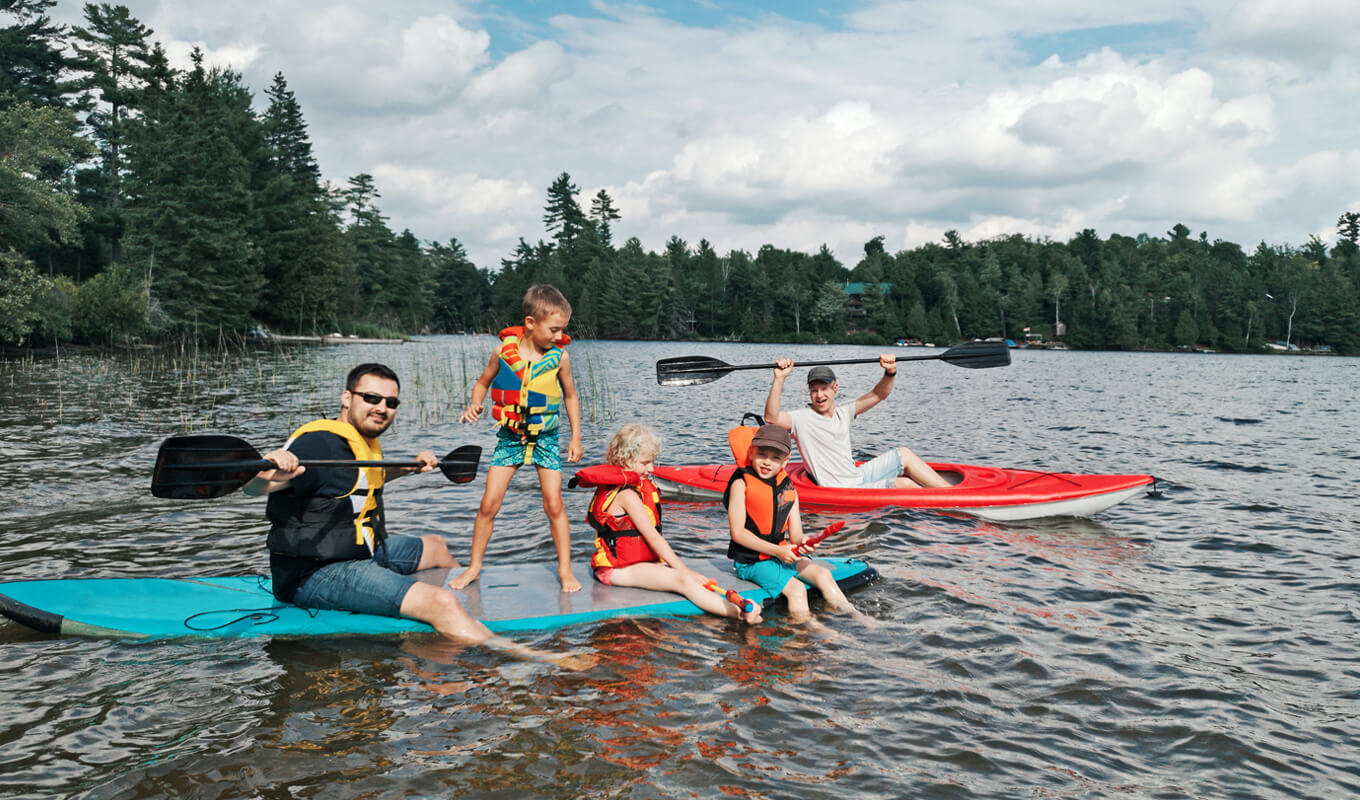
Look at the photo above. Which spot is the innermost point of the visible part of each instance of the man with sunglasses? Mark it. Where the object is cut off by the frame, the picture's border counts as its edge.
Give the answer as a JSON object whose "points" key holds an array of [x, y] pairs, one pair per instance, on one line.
{"points": [[328, 542]]}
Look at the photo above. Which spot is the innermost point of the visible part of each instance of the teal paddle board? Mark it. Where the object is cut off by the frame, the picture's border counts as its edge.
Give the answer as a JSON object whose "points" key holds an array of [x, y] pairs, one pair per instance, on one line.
{"points": [[514, 597]]}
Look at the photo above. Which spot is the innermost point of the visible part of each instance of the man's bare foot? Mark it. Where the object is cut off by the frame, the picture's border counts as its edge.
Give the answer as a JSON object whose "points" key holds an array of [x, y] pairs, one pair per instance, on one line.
{"points": [[569, 582], [469, 575]]}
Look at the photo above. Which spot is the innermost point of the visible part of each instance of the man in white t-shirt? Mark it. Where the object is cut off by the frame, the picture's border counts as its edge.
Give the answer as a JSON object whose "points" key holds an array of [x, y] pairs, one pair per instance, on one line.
{"points": [[822, 431]]}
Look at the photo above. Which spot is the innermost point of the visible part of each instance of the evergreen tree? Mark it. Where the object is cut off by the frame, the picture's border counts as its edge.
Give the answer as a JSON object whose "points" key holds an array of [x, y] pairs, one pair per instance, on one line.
{"points": [[113, 53], [602, 212], [301, 246], [191, 212], [31, 59], [461, 294]]}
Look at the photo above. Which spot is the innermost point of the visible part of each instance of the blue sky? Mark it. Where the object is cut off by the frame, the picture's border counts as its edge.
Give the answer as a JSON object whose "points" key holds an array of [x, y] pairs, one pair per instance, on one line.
{"points": [[802, 124]]}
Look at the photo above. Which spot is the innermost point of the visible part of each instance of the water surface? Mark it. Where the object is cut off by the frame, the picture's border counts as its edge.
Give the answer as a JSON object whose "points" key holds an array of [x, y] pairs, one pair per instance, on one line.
{"points": [[1199, 643]]}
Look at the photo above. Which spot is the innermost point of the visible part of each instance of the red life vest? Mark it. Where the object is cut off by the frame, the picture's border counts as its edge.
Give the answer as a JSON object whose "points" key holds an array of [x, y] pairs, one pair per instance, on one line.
{"points": [[769, 503], [618, 543]]}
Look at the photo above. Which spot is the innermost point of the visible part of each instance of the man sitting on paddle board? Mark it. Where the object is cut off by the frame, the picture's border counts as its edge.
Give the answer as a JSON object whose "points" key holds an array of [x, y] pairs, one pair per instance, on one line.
{"points": [[328, 544], [822, 431]]}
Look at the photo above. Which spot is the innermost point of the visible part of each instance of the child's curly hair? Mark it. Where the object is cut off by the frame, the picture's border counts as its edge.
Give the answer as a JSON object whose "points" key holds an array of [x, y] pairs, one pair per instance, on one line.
{"points": [[631, 444]]}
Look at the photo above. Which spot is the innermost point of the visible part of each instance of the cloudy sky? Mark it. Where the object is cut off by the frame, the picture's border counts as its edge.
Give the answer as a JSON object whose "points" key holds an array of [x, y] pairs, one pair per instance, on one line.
{"points": [[797, 124]]}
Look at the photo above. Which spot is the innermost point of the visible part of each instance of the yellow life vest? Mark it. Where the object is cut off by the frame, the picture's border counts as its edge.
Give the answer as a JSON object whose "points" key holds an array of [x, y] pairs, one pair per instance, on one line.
{"points": [[365, 449]]}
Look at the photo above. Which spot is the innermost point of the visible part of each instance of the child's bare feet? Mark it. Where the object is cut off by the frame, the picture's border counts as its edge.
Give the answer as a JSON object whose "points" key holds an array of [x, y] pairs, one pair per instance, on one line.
{"points": [[469, 575], [569, 582]]}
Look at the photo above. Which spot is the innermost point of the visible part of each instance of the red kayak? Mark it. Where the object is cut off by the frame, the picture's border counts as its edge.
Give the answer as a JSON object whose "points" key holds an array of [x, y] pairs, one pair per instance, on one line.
{"points": [[987, 492]]}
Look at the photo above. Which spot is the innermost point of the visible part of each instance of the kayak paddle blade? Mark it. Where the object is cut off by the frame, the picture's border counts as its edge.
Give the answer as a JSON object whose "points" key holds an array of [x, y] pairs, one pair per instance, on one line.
{"points": [[690, 370], [978, 355], [200, 467], [460, 465]]}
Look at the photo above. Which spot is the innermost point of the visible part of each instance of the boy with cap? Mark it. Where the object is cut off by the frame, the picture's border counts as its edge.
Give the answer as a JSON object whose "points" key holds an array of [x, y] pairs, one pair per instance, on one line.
{"points": [[766, 529], [822, 431]]}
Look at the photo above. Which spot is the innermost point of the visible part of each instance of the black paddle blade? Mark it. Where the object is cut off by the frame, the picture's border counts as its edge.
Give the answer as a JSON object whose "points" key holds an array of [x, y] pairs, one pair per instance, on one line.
{"points": [[978, 355], [690, 370], [192, 467], [460, 465]]}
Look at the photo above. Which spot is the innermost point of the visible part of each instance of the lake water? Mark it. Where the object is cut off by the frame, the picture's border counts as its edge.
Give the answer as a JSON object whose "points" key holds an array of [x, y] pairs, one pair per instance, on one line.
{"points": [[1203, 643]]}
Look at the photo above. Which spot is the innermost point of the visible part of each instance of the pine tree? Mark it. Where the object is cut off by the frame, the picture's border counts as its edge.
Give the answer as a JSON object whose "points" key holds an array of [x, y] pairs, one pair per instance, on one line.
{"points": [[31, 59], [301, 246], [190, 219], [112, 51]]}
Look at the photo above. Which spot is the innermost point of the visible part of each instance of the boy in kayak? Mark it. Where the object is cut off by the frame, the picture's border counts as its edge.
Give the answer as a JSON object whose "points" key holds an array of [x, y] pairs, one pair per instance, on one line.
{"points": [[529, 380], [328, 541], [626, 515], [822, 431], [766, 528]]}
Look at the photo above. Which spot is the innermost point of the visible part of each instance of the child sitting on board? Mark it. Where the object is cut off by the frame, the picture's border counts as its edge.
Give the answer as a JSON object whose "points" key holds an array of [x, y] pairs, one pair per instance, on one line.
{"points": [[765, 526], [529, 380], [626, 516]]}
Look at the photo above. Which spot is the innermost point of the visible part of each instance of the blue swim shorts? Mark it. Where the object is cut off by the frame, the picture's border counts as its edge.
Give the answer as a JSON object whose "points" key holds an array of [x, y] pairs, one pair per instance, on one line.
{"points": [[374, 585], [771, 574], [509, 450]]}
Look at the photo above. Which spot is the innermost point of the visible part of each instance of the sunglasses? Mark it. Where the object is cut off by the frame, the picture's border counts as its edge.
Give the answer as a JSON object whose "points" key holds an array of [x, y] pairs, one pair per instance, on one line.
{"points": [[373, 398]]}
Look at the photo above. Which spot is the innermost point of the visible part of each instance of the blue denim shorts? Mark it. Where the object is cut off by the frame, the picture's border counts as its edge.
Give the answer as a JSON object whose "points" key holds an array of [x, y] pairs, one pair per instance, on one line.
{"points": [[882, 471], [509, 450], [772, 575], [369, 586]]}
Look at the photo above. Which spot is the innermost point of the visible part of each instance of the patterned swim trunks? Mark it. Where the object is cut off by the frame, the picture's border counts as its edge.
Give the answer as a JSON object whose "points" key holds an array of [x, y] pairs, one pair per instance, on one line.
{"points": [[509, 450]]}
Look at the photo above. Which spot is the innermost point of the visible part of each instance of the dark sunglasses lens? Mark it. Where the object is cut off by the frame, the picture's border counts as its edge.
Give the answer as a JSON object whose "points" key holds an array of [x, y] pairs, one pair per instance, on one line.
{"points": [[374, 399]]}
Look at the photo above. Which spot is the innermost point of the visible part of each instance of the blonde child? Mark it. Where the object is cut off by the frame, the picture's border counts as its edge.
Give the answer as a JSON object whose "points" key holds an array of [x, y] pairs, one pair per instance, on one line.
{"points": [[626, 516], [529, 380], [765, 526]]}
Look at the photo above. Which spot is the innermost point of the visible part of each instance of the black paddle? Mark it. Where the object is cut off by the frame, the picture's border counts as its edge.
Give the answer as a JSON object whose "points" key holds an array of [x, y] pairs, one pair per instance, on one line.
{"points": [[198, 467], [694, 370]]}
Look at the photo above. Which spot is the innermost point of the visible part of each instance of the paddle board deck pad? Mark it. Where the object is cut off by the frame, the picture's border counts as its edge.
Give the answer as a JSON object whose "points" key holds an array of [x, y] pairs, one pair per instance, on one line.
{"points": [[992, 493], [516, 597]]}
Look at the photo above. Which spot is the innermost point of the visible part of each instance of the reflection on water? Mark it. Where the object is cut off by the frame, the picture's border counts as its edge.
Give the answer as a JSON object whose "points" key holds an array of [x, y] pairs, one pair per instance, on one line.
{"points": [[1199, 643]]}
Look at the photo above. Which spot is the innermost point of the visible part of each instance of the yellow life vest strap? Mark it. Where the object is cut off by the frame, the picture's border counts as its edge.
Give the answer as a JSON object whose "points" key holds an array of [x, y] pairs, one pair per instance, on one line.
{"points": [[364, 449]]}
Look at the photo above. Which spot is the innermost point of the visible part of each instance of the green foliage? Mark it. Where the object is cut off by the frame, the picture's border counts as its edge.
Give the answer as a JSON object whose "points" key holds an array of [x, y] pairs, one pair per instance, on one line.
{"points": [[33, 65], [20, 284], [110, 308], [39, 146]]}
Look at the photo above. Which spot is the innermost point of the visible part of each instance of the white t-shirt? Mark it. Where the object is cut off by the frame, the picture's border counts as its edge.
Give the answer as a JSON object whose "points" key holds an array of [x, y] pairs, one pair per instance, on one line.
{"points": [[824, 443]]}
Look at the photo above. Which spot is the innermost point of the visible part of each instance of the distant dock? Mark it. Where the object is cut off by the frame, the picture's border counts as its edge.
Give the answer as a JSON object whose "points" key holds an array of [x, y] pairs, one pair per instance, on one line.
{"points": [[328, 339]]}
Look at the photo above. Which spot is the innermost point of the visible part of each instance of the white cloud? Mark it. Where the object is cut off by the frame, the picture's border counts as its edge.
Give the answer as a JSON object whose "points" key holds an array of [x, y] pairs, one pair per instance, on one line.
{"points": [[901, 119]]}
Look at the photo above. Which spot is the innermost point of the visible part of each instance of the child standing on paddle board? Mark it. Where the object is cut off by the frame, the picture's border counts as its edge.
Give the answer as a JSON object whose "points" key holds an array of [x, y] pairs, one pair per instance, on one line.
{"points": [[529, 380], [626, 516], [765, 526]]}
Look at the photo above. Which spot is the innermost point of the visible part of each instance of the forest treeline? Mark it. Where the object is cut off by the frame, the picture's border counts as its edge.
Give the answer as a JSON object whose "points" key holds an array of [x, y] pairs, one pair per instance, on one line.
{"points": [[142, 202]]}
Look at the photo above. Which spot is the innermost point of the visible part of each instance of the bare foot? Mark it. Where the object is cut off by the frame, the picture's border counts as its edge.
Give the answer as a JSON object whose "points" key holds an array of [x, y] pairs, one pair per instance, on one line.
{"points": [[469, 575], [569, 582]]}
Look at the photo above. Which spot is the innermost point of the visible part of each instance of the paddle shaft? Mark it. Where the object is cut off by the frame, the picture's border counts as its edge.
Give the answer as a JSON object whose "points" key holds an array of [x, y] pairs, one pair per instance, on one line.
{"points": [[259, 465], [732, 368]]}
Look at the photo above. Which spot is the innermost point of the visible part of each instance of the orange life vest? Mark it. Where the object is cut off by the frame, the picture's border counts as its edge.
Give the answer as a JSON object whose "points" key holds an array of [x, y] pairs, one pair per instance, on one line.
{"points": [[769, 503], [618, 543]]}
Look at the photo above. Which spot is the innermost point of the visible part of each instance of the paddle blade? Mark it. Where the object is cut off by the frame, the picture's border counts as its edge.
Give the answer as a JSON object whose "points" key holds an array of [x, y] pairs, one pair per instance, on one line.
{"points": [[460, 465], [690, 370], [978, 355], [187, 467]]}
